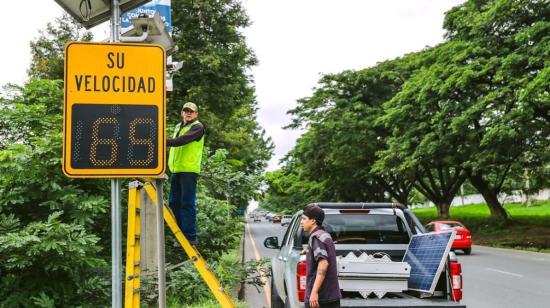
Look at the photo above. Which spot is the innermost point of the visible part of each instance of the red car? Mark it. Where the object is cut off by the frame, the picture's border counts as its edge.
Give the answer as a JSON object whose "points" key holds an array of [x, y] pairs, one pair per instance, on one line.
{"points": [[276, 218], [463, 239]]}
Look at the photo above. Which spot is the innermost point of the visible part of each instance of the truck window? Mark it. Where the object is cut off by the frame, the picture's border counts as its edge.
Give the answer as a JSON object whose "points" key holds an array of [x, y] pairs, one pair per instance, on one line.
{"points": [[366, 229], [288, 233]]}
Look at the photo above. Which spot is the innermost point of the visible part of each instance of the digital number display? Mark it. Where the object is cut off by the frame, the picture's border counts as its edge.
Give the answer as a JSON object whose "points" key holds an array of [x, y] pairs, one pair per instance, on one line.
{"points": [[114, 136]]}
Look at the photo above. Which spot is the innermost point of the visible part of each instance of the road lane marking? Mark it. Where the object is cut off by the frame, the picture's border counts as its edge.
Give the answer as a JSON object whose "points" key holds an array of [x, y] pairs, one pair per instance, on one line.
{"points": [[503, 272], [263, 278]]}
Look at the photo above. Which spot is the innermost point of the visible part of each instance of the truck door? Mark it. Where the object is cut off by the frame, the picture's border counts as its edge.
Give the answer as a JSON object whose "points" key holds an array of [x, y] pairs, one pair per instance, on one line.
{"points": [[283, 257]]}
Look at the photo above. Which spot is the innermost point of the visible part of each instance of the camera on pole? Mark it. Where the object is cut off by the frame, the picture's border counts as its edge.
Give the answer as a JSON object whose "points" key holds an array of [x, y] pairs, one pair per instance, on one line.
{"points": [[150, 30]]}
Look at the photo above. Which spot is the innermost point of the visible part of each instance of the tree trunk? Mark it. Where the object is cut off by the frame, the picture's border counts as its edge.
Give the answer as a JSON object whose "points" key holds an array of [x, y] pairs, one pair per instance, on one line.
{"points": [[443, 210], [490, 196]]}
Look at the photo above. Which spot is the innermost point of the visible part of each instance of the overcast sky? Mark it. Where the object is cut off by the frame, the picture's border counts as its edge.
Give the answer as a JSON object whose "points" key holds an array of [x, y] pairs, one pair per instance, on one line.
{"points": [[295, 42]]}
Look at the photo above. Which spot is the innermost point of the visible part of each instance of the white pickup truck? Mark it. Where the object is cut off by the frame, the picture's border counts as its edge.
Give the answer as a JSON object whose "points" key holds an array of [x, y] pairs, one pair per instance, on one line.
{"points": [[359, 228]]}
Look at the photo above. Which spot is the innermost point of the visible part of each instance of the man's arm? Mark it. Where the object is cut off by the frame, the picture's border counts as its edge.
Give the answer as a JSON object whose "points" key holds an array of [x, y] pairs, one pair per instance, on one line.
{"points": [[194, 133], [322, 267]]}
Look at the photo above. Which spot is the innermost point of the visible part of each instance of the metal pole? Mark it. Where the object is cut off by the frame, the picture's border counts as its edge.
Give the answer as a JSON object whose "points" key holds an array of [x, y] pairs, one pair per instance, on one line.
{"points": [[116, 245], [116, 222], [160, 245], [115, 21]]}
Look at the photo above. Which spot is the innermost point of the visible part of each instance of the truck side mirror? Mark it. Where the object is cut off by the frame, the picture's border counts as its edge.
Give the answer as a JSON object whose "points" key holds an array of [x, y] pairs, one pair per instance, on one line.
{"points": [[272, 242]]}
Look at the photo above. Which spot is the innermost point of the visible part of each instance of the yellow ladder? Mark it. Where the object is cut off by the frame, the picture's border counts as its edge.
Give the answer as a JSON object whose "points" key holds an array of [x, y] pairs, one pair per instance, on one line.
{"points": [[133, 253], [133, 270]]}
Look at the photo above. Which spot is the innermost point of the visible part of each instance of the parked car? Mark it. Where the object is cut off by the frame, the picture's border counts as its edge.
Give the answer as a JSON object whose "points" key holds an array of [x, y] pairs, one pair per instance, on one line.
{"points": [[257, 217], [463, 238], [286, 219], [276, 218], [384, 228], [268, 216]]}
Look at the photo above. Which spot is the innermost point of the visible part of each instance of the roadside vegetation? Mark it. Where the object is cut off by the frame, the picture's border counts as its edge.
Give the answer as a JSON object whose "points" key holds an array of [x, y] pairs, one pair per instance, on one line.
{"points": [[471, 111], [55, 232], [527, 228]]}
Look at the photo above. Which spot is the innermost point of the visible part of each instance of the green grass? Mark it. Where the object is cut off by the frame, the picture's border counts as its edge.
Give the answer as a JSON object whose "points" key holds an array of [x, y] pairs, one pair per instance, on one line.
{"points": [[528, 228]]}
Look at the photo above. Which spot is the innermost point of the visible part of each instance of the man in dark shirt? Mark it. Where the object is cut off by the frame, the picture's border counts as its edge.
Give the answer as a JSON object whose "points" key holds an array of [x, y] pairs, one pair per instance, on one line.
{"points": [[322, 289]]}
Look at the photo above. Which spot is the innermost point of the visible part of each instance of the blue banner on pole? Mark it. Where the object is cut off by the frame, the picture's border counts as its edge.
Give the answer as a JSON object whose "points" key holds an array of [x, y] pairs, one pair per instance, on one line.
{"points": [[161, 6]]}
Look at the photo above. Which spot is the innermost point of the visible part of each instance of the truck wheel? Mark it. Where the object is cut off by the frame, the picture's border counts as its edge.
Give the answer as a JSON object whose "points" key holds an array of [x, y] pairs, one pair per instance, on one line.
{"points": [[467, 251], [276, 301]]}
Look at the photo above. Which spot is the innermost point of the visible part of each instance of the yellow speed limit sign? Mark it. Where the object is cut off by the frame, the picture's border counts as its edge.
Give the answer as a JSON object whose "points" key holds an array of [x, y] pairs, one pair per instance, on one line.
{"points": [[114, 113]]}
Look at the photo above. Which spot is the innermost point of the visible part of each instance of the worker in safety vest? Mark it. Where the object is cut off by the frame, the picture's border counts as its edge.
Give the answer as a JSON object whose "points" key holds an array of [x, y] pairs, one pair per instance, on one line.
{"points": [[184, 162]]}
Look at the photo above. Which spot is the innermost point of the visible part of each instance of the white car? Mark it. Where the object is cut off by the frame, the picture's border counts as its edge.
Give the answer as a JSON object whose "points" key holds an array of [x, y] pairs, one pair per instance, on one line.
{"points": [[286, 219]]}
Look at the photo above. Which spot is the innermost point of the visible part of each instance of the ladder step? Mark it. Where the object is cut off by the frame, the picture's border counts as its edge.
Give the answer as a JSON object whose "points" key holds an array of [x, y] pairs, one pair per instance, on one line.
{"points": [[136, 263], [133, 276], [136, 236]]}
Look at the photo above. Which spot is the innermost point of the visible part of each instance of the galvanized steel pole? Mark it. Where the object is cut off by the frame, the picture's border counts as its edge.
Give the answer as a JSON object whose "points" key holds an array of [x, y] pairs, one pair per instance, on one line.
{"points": [[116, 221], [116, 247], [160, 244], [115, 20]]}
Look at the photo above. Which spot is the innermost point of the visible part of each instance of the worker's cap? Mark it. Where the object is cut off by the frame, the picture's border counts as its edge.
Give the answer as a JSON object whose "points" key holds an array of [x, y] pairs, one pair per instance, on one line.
{"points": [[190, 106], [313, 211]]}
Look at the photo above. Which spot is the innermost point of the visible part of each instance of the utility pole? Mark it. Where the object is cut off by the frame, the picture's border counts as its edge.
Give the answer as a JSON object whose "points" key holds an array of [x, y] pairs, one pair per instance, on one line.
{"points": [[116, 221]]}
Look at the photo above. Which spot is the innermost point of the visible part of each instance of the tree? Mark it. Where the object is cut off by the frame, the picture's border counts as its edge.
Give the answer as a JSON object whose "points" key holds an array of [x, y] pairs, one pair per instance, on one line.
{"points": [[501, 84], [288, 191], [53, 230], [48, 49], [471, 110], [340, 147], [50, 226], [214, 75]]}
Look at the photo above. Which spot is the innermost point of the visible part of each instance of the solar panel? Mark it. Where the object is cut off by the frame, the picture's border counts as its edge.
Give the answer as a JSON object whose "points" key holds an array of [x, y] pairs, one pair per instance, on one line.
{"points": [[426, 255]]}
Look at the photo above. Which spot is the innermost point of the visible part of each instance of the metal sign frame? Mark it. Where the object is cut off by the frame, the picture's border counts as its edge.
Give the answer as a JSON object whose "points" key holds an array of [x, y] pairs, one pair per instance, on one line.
{"points": [[90, 13]]}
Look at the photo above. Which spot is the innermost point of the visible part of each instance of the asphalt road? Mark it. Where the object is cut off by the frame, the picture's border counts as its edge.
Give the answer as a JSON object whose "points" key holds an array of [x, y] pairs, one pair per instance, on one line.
{"points": [[499, 278], [505, 278], [254, 249]]}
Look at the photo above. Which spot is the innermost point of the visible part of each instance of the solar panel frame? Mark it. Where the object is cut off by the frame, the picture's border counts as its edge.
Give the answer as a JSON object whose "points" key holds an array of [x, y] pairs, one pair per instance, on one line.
{"points": [[443, 258]]}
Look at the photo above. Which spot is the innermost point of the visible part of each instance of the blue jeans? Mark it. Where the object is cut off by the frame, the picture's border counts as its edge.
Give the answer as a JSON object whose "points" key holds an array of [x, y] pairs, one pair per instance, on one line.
{"points": [[182, 202]]}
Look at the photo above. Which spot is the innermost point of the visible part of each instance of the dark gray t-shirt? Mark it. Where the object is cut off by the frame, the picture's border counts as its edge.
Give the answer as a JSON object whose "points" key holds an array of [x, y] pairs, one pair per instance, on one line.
{"points": [[322, 247]]}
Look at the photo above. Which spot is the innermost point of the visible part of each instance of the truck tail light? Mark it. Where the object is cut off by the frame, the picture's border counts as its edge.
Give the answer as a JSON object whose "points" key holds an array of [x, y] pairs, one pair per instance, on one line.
{"points": [[301, 280], [456, 280]]}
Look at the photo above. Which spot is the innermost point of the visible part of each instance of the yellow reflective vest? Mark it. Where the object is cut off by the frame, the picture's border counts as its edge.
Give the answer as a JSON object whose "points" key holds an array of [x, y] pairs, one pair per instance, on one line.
{"points": [[186, 158]]}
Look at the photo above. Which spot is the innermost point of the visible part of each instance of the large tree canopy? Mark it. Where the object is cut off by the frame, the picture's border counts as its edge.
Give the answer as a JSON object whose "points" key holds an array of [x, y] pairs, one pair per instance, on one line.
{"points": [[475, 107]]}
